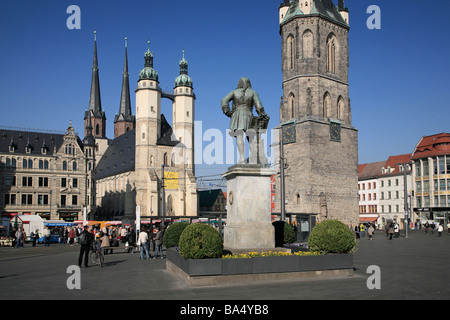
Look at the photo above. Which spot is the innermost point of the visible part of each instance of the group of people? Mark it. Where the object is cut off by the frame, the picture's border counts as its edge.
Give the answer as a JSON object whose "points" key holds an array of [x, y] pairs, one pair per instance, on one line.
{"points": [[105, 239], [436, 226], [156, 238], [360, 230]]}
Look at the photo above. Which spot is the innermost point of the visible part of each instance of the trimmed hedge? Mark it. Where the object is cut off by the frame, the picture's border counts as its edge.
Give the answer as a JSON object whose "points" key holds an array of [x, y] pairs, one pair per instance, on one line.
{"points": [[200, 241], [173, 233], [332, 236]]}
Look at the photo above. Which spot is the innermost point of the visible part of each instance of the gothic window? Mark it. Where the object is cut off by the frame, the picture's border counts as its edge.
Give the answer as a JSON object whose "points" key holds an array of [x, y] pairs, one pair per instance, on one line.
{"points": [[326, 105], [97, 129], [331, 53], [290, 51], [165, 158], [307, 44], [340, 108], [172, 160], [291, 106]]}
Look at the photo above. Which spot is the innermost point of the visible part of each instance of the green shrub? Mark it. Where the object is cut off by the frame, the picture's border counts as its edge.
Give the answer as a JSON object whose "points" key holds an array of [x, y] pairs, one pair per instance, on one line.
{"points": [[283, 233], [200, 241], [173, 233], [332, 236]]}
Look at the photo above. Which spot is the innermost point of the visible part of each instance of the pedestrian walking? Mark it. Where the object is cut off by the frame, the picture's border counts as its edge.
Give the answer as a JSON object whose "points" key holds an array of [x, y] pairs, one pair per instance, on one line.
{"points": [[86, 238], [19, 238], [47, 237], [362, 230], [158, 243], [131, 240], [35, 237], [105, 242], [396, 230], [440, 229], [370, 232], [72, 236], [144, 244]]}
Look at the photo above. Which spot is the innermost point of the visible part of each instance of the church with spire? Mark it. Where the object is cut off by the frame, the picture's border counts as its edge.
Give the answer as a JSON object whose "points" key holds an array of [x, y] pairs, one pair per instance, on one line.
{"points": [[148, 167]]}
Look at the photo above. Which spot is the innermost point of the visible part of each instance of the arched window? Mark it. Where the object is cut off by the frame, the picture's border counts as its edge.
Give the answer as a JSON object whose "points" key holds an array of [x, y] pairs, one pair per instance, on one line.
{"points": [[331, 53], [165, 158], [308, 44], [74, 166], [326, 105], [97, 129], [340, 108], [290, 51], [291, 106], [25, 163]]}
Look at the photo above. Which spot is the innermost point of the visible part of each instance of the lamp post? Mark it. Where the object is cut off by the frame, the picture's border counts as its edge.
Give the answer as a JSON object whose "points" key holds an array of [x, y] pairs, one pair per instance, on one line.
{"points": [[405, 195], [163, 195]]}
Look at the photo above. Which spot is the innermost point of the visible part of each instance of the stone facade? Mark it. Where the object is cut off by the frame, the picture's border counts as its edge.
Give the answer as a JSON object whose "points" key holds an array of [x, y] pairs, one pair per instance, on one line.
{"points": [[47, 174], [322, 173]]}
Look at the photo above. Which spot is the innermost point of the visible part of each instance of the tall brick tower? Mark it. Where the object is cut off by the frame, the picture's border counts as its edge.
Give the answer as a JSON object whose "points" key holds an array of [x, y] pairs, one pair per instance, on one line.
{"points": [[322, 173]]}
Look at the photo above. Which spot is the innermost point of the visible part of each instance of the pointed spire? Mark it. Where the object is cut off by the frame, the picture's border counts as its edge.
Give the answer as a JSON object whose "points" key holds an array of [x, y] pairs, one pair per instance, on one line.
{"points": [[183, 65], [125, 101], [95, 103]]}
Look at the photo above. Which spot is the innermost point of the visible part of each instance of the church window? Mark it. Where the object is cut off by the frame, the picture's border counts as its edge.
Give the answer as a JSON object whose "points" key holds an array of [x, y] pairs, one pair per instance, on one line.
{"points": [[326, 105], [331, 53], [97, 129], [291, 106], [290, 51], [165, 158], [307, 44], [340, 108]]}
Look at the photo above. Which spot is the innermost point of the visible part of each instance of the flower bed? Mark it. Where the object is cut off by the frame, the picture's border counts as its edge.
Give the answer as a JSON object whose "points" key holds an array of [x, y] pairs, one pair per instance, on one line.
{"points": [[260, 263]]}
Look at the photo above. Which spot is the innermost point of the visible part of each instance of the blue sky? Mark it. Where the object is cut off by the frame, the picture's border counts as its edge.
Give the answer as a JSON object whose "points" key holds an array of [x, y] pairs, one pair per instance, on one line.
{"points": [[398, 75]]}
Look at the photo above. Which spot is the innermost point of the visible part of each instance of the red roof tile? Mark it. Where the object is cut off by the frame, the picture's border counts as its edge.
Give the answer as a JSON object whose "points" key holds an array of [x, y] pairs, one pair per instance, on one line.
{"points": [[438, 144]]}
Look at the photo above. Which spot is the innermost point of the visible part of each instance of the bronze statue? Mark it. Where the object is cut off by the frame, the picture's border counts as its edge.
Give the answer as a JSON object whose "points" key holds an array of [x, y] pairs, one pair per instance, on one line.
{"points": [[242, 120]]}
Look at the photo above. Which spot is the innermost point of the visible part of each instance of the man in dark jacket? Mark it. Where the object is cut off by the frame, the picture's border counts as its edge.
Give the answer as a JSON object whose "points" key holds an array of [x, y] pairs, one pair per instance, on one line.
{"points": [[85, 238]]}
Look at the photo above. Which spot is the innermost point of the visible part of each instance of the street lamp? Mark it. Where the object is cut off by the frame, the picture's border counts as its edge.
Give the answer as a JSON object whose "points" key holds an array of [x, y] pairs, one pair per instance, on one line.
{"points": [[405, 192]]}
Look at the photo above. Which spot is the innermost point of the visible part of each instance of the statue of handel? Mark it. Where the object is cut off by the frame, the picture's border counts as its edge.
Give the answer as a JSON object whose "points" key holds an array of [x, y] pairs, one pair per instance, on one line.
{"points": [[242, 120]]}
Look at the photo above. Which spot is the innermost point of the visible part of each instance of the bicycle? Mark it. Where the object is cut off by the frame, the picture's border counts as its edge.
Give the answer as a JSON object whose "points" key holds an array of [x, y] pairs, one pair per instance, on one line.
{"points": [[96, 256]]}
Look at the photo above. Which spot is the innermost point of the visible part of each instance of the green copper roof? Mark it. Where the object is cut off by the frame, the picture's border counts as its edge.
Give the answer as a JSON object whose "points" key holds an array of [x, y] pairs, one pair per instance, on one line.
{"points": [[183, 80], [148, 73], [325, 8]]}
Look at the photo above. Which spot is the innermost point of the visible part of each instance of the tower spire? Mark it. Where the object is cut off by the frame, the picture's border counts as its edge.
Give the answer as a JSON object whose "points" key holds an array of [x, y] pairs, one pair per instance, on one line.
{"points": [[125, 102], [95, 103]]}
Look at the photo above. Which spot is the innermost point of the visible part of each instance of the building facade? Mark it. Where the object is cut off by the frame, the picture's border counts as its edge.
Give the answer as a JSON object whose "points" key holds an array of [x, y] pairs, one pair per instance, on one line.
{"points": [[322, 173], [431, 178], [47, 174]]}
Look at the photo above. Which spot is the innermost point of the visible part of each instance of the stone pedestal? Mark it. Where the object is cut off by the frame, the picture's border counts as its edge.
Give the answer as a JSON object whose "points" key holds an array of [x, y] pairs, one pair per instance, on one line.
{"points": [[249, 224]]}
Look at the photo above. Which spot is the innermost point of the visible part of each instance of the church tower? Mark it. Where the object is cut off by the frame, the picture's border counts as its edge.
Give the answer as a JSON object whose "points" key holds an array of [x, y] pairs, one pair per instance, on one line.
{"points": [[183, 113], [322, 173], [95, 102], [148, 132], [124, 121]]}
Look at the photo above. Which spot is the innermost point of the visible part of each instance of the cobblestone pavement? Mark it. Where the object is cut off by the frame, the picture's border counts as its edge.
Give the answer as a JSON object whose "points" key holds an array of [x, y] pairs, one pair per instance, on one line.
{"points": [[410, 268]]}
